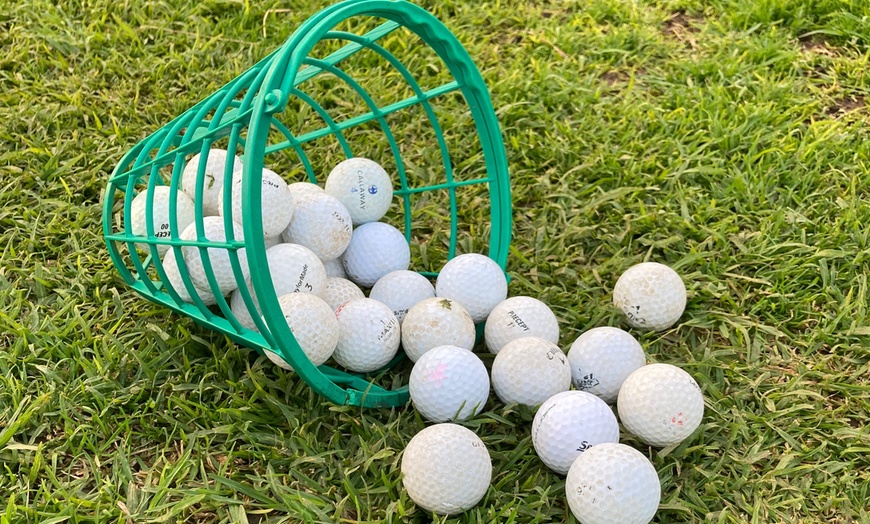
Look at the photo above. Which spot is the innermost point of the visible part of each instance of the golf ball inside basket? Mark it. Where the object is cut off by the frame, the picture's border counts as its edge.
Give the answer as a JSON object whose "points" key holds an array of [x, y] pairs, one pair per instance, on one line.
{"points": [[568, 424], [320, 223], [340, 290], [213, 180], [519, 317], [241, 312], [529, 371], [363, 187], [449, 383], [174, 280], [602, 358], [661, 404], [276, 204], [446, 469], [313, 324], [436, 322], [475, 281], [375, 249], [651, 295], [294, 269], [368, 335], [401, 290], [221, 264], [613, 483], [184, 214]]}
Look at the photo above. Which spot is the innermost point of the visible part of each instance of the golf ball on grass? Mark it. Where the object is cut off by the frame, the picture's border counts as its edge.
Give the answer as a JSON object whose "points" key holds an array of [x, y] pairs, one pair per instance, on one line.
{"points": [[519, 317], [529, 371], [568, 424], [446, 469], [475, 281], [602, 358], [363, 187], [184, 214], [320, 223], [613, 483], [401, 290], [651, 295], [313, 324], [221, 265], [276, 205], [340, 290], [170, 266], [213, 178], [449, 383], [368, 335], [436, 322], [375, 249], [660, 404]]}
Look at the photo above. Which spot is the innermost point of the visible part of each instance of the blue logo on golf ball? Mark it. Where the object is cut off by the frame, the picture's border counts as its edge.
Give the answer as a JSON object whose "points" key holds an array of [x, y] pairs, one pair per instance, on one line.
{"points": [[373, 190]]}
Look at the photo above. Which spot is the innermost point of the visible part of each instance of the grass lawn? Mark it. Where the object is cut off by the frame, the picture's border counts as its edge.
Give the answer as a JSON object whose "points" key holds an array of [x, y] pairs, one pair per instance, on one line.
{"points": [[726, 138]]}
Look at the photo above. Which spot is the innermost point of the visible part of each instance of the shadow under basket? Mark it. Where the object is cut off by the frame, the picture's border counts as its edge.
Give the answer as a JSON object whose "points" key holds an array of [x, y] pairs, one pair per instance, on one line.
{"points": [[334, 90]]}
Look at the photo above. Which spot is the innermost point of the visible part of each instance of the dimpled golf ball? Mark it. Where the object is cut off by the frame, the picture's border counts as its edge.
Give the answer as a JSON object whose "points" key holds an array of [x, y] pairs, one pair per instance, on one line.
{"points": [[184, 214], [213, 180], [375, 249], [651, 295], [221, 265], [436, 322], [320, 223], [368, 335], [661, 404], [363, 187], [401, 290], [294, 269], [568, 424], [446, 469], [529, 371], [519, 317], [340, 290], [475, 281], [298, 189], [314, 327], [449, 383], [170, 266], [241, 312], [276, 204], [601, 359], [335, 268], [613, 484]]}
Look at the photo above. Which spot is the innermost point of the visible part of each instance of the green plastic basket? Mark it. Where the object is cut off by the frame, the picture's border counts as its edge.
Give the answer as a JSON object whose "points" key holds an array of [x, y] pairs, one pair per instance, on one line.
{"points": [[248, 113]]}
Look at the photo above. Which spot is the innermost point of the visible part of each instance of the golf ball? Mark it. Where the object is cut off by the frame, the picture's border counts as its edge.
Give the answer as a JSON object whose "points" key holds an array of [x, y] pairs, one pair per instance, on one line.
{"points": [[320, 223], [651, 295], [314, 327], [363, 187], [475, 281], [294, 269], [519, 317], [170, 266], [613, 483], [401, 290], [375, 249], [241, 312], [661, 404], [529, 371], [184, 214], [436, 322], [340, 290], [298, 189], [568, 424], [335, 268], [221, 265], [368, 335], [602, 358], [276, 205], [213, 179], [446, 469], [449, 383]]}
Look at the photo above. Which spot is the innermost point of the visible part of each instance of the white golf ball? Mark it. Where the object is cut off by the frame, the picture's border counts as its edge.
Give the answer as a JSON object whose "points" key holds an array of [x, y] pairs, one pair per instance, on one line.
{"points": [[241, 312], [375, 249], [313, 324], [475, 281], [170, 266], [340, 290], [567, 424], [446, 469], [613, 484], [184, 214], [529, 371], [602, 358], [363, 187], [519, 317], [321, 223], [661, 404], [276, 204], [294, 269], [449, 383], [299, 189], [436, 322], [368, 335], [401, 290], [221, 265], [213, 179], [651, 295], [335, 268]]}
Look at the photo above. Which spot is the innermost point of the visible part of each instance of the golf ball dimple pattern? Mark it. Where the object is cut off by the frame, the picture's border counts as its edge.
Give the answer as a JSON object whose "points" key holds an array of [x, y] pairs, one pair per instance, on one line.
{"points": [[446, 469], [529, 371], [519, 317], [402, 290], [449, 383], [602, 358], [368, 335], [363, 187], [475, 281], [221, 266], [299, 189], [276, 203], [660, 404], [340, 290], [313, 324], [375, 249], [568, 424], [613, 484], [651, 295], [184, 214], [436, 322], [320, 223], [170, 266], [335, 268], [213, 182]]}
